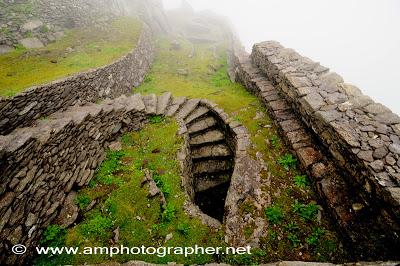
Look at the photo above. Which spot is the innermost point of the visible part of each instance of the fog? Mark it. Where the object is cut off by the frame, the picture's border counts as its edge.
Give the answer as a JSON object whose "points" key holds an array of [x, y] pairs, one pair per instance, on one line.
{"points": [[359, 39]]}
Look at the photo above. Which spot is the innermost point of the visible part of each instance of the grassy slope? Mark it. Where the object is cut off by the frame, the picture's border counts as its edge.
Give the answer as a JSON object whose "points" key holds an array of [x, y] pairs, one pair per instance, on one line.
{"points": [[23, 68], [293, 234]]}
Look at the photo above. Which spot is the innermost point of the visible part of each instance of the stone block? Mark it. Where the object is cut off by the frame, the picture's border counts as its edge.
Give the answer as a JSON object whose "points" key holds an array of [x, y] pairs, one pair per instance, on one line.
{"points": [[308, 156]]}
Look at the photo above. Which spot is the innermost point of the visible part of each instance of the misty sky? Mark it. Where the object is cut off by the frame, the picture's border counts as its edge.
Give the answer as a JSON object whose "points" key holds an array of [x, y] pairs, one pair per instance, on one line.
{"points": [[359, 39]]}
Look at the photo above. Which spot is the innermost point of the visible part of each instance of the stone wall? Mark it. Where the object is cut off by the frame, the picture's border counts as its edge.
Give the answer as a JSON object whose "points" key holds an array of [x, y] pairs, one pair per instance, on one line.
{"points": [[44, 165], [45, 20], [105, 82], [347, 143], [40, 166]]}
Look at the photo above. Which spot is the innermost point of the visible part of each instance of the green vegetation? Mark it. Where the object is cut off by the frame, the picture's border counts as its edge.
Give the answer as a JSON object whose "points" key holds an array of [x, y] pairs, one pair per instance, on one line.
{"points": [[274, 214], [53, 236], [305, 211], [288, 161], [301, 181], [123, 203], [79, 50], [275, 141], [83, 201]]}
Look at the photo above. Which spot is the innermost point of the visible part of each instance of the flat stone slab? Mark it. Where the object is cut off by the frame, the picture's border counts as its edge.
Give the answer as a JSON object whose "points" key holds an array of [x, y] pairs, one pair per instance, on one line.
{"points": [[150, 101], [200, 111], [207, 137], [163, 102], [31, 43], [202, 124], [175, 105], [137, 102], [211, 166], [187, 108], [219, 150]]}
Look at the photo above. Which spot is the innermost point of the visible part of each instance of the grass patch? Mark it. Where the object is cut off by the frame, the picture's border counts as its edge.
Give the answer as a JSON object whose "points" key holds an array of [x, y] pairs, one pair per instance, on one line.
{"points": [[92, 48]]}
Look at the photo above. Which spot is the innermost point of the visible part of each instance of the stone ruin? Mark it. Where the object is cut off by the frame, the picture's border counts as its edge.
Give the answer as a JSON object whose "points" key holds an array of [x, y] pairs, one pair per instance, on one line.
{"points": [[348, 145]]}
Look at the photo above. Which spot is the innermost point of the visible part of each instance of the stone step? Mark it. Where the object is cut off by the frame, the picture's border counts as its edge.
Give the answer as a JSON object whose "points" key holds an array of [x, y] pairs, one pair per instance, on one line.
{"points": [[211, 151], [163, 102], [187, 108], [199, 112], [176, 103], [150, 101], [212, 166], [209, 181], [207, 137], [202, 125]]}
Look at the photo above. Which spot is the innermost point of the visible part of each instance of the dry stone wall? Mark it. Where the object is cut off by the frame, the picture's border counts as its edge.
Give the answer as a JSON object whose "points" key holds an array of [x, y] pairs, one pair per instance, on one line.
{"points": [[43, 166], [345, 141], [109, 81]]}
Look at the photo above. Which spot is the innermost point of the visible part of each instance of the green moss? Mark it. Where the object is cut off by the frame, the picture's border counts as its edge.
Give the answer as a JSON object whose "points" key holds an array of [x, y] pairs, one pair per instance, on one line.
{"points": [[274, 214], [23, 68]]}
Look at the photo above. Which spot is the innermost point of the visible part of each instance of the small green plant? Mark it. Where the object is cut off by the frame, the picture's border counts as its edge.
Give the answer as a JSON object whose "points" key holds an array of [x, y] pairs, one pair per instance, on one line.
{"points": [[97, 226], [294, 239], [273, 235], [168, 213], [156, 119], [274, 141], [301, 181], [274, 214], [163, 186], [288, 161], [53, 236], [292, 227], [183, 229], [305, 211], [314, 238], [112, 164], [83, 201]]}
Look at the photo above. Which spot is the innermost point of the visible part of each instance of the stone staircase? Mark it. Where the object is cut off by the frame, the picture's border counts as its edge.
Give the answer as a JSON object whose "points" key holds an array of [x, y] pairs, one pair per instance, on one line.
{"points": [[211, 154]]}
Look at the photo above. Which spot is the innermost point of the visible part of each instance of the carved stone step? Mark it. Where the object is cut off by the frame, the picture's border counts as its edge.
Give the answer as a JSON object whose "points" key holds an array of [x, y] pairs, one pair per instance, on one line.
{"points": [[211, 166], [150, 101], [207, 137], [209, 181], [219, 150], [163, 102], [175, 105], [187, 108], [200, 111], [202, 125]]}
